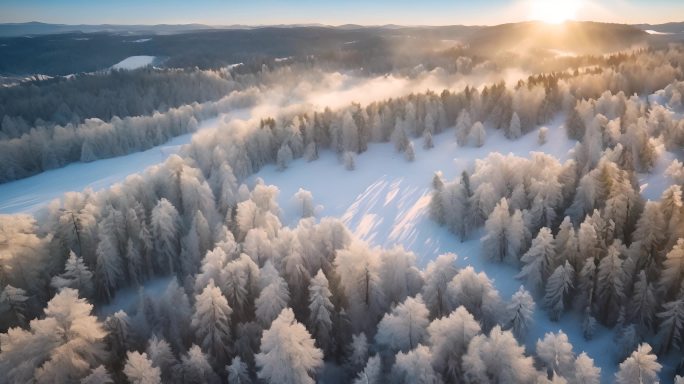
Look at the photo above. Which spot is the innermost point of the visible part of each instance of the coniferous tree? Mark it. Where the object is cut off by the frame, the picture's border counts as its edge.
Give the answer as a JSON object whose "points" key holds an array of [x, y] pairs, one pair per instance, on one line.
{"points": [[519, 311], [639, 368], [438, 274], [320, 311], [414, 367], [288, 354], [211, 322], [558, 289], [76, 275], [449, 338], [405, 327], [139, 369], [539, 259], [497, 358], [555, 352]]}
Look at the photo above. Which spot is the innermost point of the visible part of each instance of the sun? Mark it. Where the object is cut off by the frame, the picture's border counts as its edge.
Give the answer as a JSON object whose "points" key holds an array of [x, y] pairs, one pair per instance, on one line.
{"points": [[553, 11]]}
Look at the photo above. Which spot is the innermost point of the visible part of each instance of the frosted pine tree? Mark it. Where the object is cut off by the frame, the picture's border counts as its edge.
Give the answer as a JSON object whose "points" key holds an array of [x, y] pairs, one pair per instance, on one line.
{"points": [[643, 304], [641, 367], [671, 330], [476, 293], [139, 369], [650, 237], [98, 375], [159, 352], [119, 334], [478, 134], [165, 222], [357, 352], [673, 270], [238, 372], [585, 371], [514, 128], [555, 352], [438, 274], [558, 289], [320, 311], [519, 311], [436, 200], [405, 327], [284, 156], [196, 368], [271, 301], [372, 373], [497, 358], [609, 287], [65, 344], [304, 199], [108, 269], [350, 133], [288, 354], [463, 125], [399, 136], [449, 337], [211, 322], [76, 275], [13, 305], [538, 259], [504, 234], [414, 367], [399, 275]]}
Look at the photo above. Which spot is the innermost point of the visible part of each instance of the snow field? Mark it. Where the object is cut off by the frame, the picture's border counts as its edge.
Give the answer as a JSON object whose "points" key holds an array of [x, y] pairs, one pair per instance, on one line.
{"points": [[134, 62]]}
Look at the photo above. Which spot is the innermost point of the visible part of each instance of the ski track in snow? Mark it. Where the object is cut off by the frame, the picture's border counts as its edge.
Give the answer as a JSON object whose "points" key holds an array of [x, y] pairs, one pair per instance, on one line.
{"points": [[384, 201]]}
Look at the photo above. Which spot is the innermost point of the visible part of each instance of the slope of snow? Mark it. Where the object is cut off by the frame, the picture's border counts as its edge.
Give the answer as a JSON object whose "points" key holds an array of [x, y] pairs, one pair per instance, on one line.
{"points": [[385, 202], [134, 62], [29, 194]]}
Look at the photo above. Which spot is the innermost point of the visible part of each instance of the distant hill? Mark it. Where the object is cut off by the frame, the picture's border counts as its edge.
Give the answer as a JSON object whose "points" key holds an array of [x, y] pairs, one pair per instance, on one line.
{"points": [[51, 49], [572, 36], [36, 28], [672, 28]]}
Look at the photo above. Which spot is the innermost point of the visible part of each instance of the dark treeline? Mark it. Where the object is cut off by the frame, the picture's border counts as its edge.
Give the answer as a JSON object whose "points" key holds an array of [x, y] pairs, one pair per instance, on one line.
{"points": [[249, 294], [122, 93]]}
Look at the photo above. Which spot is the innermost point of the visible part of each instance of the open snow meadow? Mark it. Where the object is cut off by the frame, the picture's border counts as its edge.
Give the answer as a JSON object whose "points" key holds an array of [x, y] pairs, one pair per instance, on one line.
{"points": [[306, 203]]}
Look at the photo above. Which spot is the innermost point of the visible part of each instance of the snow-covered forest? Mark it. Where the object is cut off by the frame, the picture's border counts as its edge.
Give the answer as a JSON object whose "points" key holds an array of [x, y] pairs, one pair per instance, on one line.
{"points": [[200, 270]]}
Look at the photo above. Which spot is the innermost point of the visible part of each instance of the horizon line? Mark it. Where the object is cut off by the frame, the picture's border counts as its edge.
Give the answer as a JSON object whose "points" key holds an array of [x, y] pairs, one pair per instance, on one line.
{"points": [[319, 24]]}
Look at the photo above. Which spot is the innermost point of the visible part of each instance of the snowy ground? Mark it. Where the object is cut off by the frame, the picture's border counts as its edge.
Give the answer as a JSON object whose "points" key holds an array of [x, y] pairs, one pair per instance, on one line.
{"points": [[385, 202], [134, 62]]}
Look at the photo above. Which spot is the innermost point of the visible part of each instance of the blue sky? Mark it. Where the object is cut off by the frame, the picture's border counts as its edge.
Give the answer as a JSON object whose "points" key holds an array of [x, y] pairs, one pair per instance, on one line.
{"points": [[369, 12]]}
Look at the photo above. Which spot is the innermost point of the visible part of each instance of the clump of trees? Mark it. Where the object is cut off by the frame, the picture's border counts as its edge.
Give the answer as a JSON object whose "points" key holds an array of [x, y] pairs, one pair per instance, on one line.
{"points": [[273, 310], [580, 231]]}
